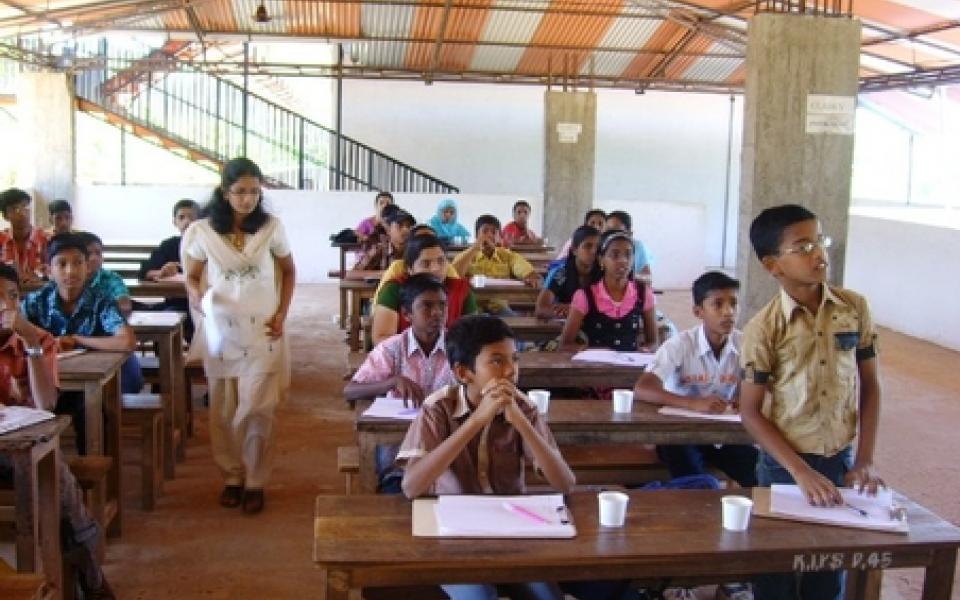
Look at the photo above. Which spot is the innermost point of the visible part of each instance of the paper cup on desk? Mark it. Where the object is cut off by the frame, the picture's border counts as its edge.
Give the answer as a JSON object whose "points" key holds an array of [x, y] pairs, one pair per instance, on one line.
{"points": [[541, 398], [736, 512], [613, 508], [479, 281], [622, 401]]}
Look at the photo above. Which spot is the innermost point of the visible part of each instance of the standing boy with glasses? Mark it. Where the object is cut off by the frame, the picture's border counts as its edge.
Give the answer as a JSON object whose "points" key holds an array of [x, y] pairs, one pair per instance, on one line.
{"points": [[813, 349]]}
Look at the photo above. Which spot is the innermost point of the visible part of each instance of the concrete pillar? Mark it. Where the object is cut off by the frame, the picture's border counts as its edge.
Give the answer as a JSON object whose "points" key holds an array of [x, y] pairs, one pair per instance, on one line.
{"points": [[792, 154], [569, 161], [47, 169]]}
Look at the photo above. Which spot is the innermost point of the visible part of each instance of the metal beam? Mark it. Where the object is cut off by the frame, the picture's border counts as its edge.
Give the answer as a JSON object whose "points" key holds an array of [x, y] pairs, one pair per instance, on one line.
{"points": [[435, 59]]}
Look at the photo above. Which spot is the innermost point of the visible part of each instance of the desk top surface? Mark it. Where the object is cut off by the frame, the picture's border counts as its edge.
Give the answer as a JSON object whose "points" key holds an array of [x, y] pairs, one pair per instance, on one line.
{"points": [[94, 364], [27, 437], [675, 526]]}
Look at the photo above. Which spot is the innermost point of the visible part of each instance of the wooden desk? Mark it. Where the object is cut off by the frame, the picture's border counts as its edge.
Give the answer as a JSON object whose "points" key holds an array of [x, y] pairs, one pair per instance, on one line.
{"points": [[36, 480], [558, 370], [165, 329], [572, 422], [344, 249], [97, 375], [172, 288], [534, 329], [365, 541]]}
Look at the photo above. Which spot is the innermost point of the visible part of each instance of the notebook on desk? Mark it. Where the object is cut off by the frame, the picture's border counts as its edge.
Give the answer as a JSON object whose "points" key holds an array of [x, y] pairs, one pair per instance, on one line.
{"points": [[539, 516], [13, 418], [860, 511]]}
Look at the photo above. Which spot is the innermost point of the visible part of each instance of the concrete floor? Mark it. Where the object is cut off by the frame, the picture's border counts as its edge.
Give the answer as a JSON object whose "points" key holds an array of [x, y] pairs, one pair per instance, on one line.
{"points": [[189, 547]]}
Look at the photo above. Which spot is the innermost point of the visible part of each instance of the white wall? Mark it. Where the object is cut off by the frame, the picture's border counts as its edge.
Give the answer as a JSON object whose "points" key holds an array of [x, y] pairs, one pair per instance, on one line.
{"points": [[908, 272], [656, 147], [142, 214]]}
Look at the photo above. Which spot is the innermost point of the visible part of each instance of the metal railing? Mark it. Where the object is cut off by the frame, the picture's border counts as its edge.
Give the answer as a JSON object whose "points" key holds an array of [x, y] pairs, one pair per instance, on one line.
{"points": [[219, 119]]}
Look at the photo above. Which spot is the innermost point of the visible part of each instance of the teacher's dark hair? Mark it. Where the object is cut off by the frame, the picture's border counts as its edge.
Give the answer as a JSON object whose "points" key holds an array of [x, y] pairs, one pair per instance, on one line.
{"points": [[218, 209]]}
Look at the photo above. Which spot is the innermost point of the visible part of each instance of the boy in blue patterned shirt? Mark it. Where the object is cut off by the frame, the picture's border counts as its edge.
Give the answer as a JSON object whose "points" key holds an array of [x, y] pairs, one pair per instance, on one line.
{"points": [[103, 280]]}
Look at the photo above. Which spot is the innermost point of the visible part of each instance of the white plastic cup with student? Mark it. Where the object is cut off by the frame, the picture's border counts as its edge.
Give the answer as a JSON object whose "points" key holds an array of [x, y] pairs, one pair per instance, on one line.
{"points": [[622, 401], [613, 508], [541, 398], [479, 281], [736, 512]]}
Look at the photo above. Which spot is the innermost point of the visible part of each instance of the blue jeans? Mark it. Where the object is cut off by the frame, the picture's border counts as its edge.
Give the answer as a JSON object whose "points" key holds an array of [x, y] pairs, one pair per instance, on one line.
{"points": [[131, 377], [806, 586], [738, 461], [535, 590]]}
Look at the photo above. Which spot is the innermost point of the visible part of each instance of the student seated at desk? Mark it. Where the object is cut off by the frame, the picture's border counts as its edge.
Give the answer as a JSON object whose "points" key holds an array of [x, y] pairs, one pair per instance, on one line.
{"points": [[374, 224], [477, 436], [61, 215], [621, 220], [578, 271], [616, 311], [424, 256], [485, 257], [379, 251], [595, 218], [102, 280], [80, 316], [445, 223], [518, 232], [28, 377], [398, 268], [813, 349], [22, 245]]}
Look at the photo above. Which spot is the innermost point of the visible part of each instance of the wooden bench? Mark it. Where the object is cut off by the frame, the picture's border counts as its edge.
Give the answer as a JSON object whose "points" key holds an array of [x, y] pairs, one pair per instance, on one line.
{"points": [[143, 414], [348, 463], [21, 586], [91, 474], [624, 464]]}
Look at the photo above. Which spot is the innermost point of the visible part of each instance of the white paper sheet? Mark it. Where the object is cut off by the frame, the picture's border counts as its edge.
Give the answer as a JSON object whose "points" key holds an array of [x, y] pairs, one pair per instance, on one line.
{"points": [[156, 319], [673, 411], [18, 417], [542, 516], [495, 282], [391, 408], [612, 357], [788, 500]]}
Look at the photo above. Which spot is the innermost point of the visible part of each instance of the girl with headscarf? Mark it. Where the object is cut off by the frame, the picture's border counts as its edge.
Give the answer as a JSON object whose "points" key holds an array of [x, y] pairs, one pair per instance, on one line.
{"points": [[445, 222]]}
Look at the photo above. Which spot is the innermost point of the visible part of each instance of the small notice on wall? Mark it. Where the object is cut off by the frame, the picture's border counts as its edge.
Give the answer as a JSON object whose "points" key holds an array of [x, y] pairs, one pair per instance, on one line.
{"points": [[831, 114], [569, 133]]}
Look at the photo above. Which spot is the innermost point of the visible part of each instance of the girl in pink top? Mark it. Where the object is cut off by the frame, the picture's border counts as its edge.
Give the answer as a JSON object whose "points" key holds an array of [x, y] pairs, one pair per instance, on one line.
{"points": [[367, 226], [616, 311]]}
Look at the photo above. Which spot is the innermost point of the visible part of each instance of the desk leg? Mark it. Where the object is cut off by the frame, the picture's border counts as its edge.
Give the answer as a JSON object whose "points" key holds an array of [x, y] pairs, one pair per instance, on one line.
{"points": [[368, 463], [343, 309], [37, 485], [112, 407], [93, 396], [181, 393], [938, 578], [354, 321], [864, 585], [168, 399]]}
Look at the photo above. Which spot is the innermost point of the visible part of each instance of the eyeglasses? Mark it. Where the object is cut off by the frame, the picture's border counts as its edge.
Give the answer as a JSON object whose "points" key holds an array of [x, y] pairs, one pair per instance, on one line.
{"points": [[807, 248]]}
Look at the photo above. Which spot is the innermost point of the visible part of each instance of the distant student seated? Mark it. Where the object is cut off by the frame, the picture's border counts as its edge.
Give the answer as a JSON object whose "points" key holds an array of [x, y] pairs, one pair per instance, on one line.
{"points": [[616, 311], [485, 257], [398, 268], [78, 315], [621, 220], [374, 224], [102, 280], [578, 271], [595, 218], [445, 223], [476, 437], [28, 360], [518, 232], [22, 245], [424, 255], [61, 216], [379, 251]]}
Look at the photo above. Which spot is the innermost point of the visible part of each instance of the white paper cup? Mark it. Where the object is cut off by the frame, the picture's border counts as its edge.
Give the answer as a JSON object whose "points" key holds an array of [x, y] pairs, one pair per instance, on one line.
{"points": [[541, 398], [613, 508], [622, 401], [736, 512], [479, 281]]}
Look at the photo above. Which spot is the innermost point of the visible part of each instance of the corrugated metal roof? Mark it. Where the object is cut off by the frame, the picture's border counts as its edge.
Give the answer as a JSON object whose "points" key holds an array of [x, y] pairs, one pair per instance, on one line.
{"points": [[712, 69], [627, 32], [510, 27], [496, 59]]}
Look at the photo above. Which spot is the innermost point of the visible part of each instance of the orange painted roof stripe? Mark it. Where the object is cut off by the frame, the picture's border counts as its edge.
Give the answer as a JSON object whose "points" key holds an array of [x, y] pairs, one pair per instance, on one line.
{"points": [[463, 24], [570, 30]]}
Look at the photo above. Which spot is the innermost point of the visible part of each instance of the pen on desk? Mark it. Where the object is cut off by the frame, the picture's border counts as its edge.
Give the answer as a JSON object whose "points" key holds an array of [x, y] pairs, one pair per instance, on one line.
{"points": [[856, 509], [519, 510]]}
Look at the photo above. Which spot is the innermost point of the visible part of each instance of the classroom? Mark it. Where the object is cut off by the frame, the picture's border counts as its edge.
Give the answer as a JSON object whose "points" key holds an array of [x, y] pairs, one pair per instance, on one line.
{"points": [[273, 273]]}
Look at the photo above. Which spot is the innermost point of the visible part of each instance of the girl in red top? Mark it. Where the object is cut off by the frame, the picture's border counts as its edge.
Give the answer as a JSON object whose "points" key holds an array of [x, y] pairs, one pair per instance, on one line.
{"points": [[516, 231]]}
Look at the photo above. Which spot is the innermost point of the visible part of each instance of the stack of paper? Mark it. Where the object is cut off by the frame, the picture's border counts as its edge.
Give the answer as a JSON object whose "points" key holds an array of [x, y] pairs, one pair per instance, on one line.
{"points": [[496, 282], [673, 411], [155, 319], [392, 408], [862, 511], [612, 357], [542, 516], [18, 417]]}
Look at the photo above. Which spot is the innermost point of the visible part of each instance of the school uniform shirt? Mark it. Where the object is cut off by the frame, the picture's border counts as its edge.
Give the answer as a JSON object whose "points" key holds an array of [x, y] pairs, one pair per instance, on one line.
{"points": [[398, 269], [367, 227], [460, 300], [95, 314], [34, 254], [502, 264], [493, 462], [109, 284], [687, 366], [610, 307], [809, 364], [14, 373], [167, 251], [562, 284], [401, 354], [512, 234]]}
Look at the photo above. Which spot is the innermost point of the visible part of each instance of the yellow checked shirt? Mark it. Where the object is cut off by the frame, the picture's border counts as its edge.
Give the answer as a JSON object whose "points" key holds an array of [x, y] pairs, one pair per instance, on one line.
{"points": [[809, 364], [502, 264]]}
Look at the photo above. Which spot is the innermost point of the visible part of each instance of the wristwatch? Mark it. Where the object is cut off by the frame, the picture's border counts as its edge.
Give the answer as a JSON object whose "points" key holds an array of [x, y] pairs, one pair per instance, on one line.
{"points": [[34, 352]]}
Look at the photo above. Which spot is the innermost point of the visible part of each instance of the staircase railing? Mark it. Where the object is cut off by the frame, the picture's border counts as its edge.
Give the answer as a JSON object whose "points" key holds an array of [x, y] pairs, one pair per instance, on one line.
{"points": [[217, 118]]}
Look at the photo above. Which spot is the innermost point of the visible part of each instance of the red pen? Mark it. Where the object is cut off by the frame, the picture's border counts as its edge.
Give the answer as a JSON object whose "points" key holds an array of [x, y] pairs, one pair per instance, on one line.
{"points": [[519, 510]]}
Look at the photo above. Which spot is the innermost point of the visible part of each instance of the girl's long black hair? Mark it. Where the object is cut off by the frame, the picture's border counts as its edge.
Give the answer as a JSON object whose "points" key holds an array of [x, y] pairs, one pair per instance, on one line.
{"points": [[579, 235], [218, 209]]}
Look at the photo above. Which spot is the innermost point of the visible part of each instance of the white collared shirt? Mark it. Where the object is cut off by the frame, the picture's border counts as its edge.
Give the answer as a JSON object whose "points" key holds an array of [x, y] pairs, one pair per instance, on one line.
{"points": [[687, 366]]}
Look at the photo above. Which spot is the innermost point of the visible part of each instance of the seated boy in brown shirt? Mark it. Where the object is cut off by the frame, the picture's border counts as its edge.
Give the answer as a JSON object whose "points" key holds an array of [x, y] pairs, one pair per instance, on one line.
{"points": [[473, 437]]}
